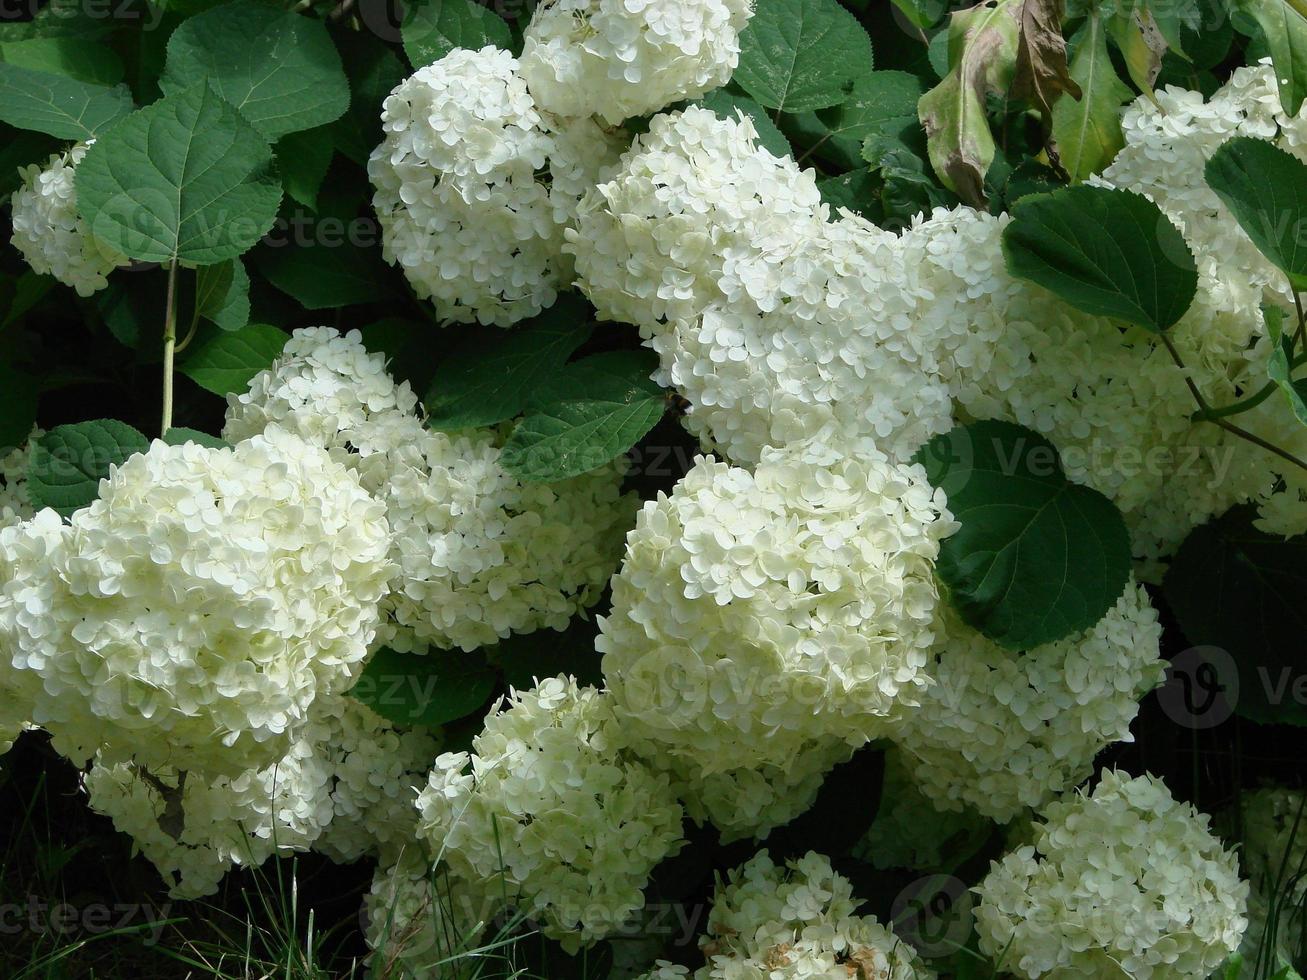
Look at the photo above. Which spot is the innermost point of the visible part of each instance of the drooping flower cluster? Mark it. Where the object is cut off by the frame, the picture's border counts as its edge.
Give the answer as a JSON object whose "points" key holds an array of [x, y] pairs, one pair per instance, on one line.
{"points": [[1121, 881], [346, 787], [1000, 731], [480, 554], [616, 59], [763, 616], [777, 325], [48, 232], [548, 808], [473, 186], [189, 617], [797, 922]]}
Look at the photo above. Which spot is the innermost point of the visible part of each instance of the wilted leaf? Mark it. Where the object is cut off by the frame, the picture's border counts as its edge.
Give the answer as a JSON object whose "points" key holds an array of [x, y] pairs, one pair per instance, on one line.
{"points": [[1041, 71]]}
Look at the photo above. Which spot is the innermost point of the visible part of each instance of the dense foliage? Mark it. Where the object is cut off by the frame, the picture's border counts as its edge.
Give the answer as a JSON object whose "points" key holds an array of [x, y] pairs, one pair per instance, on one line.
{"points": [[827, 474]]}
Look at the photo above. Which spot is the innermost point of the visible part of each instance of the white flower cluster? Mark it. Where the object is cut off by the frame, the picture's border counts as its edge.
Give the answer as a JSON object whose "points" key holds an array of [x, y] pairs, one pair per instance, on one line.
{"points": [[480, 554], [51, 236], [549, 808], [1000, 730], [797, 922], [765, 616], [1123, 881], [621, 58], [776, 324], [473, 186], [15, 505], [346, 788], [189, 617], [910, 831]]}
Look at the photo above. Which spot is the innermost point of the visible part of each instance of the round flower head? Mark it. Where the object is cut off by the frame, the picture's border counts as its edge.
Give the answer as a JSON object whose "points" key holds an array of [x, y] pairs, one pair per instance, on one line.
{"points": [[419, 919], [463, 187], [15, 505], [617, 59], [910, 831], [48, 232], [1124, 881], [759, 613], [799, 922], [1000, 731], [696, 212], [480, 553], [546, 808], [189, 617]]}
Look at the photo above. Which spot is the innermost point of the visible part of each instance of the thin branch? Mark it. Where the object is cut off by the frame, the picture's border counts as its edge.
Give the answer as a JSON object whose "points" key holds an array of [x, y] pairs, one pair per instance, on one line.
{"points": [[169, 347]]}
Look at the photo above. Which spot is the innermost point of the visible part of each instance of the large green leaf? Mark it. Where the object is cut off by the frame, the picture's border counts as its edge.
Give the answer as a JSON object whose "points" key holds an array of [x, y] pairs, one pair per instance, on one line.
{"points": [[797, 55], [69, 461], [1282, 24], [492, 376], [185, 178], [303, 160], [433, 28], [427, 690], [1037, 557], [59, 105], [982, 61], [1245, 591], [1266, 190], [278, 68], [222, 294], [585, 416], [84, 59], [1105, 251], [1087, 130], [373, 71], [882, 103], [322, 276], [225, 361]]}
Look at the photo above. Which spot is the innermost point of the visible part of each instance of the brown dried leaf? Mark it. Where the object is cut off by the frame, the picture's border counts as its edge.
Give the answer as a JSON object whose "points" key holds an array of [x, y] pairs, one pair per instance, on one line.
{"points": [[1041, 71]]}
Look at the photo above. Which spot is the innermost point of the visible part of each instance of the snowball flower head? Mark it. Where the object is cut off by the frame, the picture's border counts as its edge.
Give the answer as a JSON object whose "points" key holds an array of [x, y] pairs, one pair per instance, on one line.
{"points": [[189, 617], [798, 922], [480, 553], [1124, 880], [48, 232], [622, 58], [1001, 730], [465, 189], [759, 613], [547, 808]]}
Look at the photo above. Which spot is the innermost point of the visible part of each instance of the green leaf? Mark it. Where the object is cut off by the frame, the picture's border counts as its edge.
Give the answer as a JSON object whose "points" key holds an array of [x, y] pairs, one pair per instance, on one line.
{"points": [[179, 435], [1245, 591], [797, 55], [1106, 252], [1087, 131], [69, 461], [856, 190], [322, 276], [425, 689], [491, 376], [525, 658], [373, 71], [923, 13], [1266, 190], [279, 69], [982, 59], [226, 361], [185, 178], [59, 105], [727, 104], [303, 159], [222, 294], [436, 27], [84, 59], [586, 415], [1280, 366], [882, 103], [1037, 557], [1282, 24], [907, 187]]}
